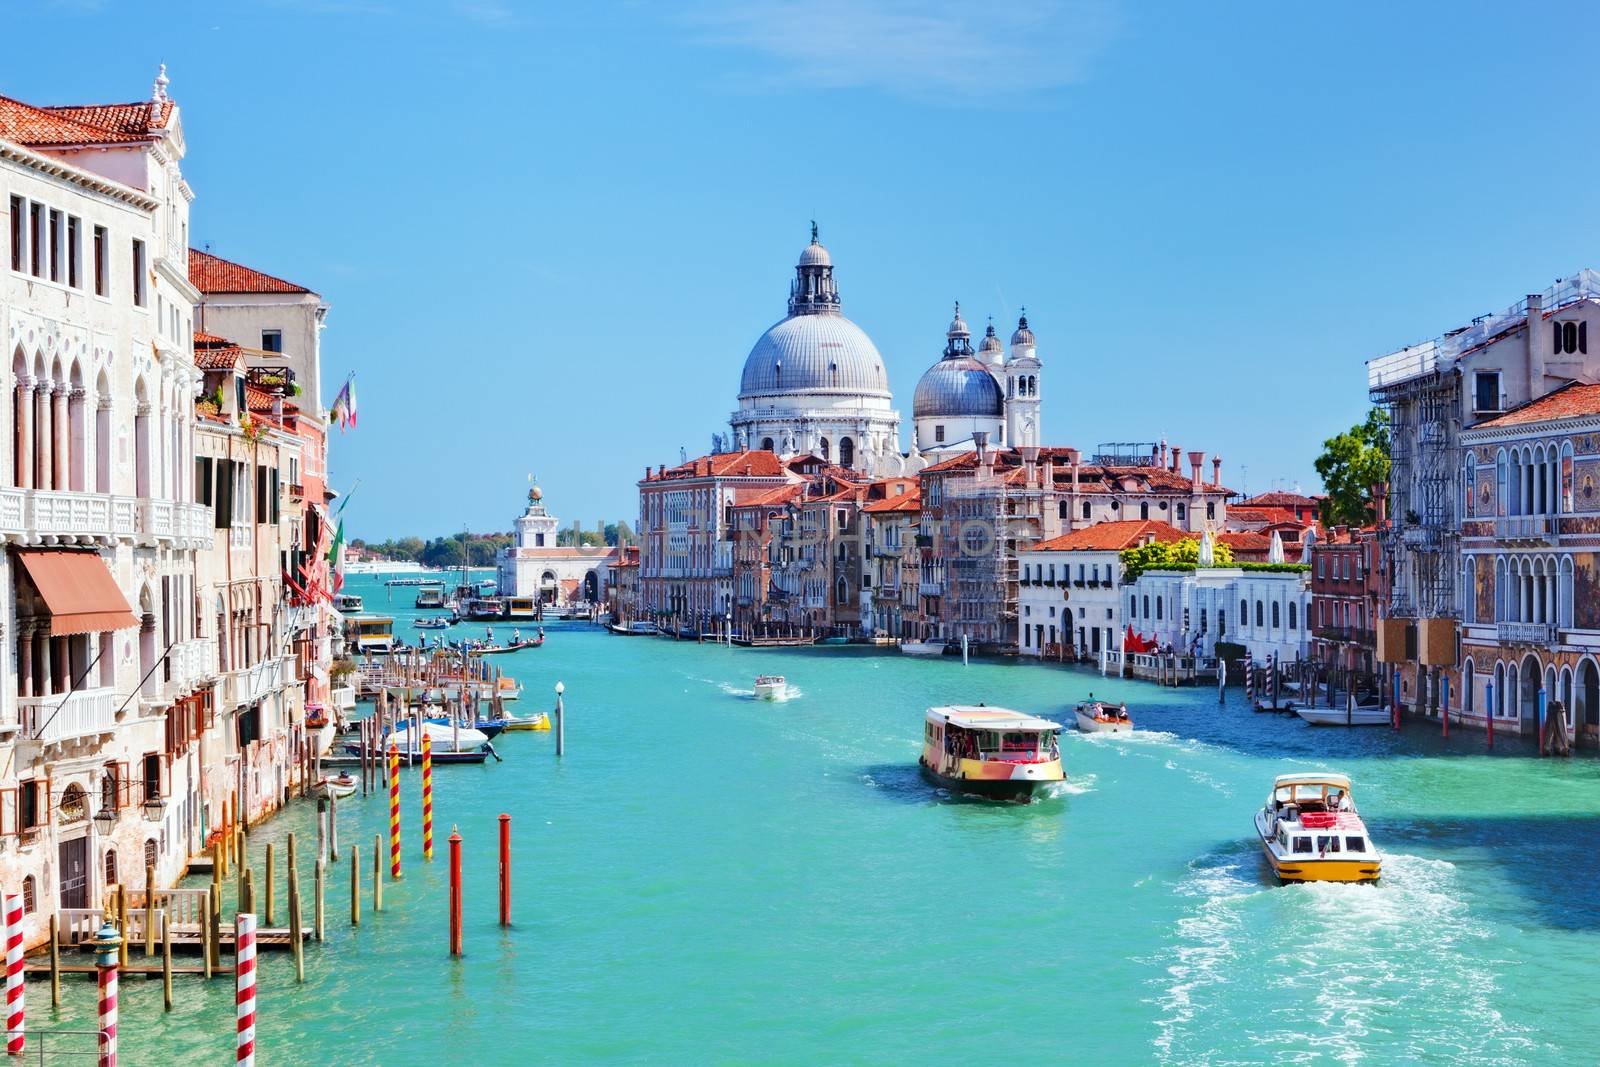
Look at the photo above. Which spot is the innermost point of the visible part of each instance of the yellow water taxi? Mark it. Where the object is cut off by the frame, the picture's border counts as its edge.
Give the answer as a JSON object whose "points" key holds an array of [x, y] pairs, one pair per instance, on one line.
{"points": [[1310, 831], [990, 752]]}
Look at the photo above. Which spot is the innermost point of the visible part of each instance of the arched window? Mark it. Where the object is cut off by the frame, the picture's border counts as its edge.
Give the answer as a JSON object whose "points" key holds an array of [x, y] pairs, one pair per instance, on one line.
{"points": [[30, 895], [1294, 616], [1259, 614], [1133, 607], [1468, 687], [1564, 592], [111, 866], [1469, 590], [1061, 510], [1275, 617], [1497, 700], [1470, 484], [766, 444], [1565, 474], [1147, 606], [150, 853], [1158, 607], [1569, 337], [847, 452], [823, 448], [1244, 612]]}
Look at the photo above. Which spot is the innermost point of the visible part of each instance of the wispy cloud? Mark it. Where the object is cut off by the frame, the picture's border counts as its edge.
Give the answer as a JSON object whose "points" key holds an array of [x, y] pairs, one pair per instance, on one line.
{"points": [[913, 47], [489, 12]]}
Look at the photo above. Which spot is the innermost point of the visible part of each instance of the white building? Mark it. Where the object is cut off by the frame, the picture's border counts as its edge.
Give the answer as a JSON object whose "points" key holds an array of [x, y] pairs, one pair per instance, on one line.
{"points": [[815, 382], [1070, 595], [535, 566], [970, 392], [1265, 611], [108, 661]]}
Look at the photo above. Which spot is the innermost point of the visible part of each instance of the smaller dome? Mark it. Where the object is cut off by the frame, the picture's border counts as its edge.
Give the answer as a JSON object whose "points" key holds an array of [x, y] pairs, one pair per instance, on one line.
{"points": [[815, 256], [991, 342], [535, 495], [958, 387], [1023, 336], [958, 328]]}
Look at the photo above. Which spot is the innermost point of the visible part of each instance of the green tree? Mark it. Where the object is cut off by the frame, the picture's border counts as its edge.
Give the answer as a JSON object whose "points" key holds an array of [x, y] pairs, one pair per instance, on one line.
{"points": [[1165, 555], [1350, 465]]}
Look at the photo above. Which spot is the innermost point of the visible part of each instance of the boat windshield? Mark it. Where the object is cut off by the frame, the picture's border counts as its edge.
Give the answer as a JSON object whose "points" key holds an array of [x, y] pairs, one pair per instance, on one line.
{"points": [[1011, 745]]}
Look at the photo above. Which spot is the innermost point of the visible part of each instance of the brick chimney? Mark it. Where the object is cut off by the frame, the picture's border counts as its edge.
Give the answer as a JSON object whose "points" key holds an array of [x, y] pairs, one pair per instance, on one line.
{"points": [[1196, 461], [1173, 461], [1538, 346], [1030, 460]]}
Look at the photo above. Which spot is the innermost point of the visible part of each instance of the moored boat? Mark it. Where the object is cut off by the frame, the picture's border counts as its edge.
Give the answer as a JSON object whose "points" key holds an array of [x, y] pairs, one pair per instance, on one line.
{"points": [[437, 622], [833, 639], [1098, 717], [637, 628], [772, 687], [1367, 714], [339, 785], [922, 648], [430, 599], [347, 602], [1310, 831], [990, 752], [541, 721], [371, 634]]}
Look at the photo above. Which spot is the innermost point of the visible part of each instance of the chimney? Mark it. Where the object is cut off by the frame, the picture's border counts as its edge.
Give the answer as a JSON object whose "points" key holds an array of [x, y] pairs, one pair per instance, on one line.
{"points": [[1216, 471], [1173, 461], [1196, 461], [1030, 460], [1538, 345], [980, 439]]}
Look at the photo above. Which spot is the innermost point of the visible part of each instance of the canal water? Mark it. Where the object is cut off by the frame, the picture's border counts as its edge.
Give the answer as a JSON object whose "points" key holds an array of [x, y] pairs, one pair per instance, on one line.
{"points": [[708, 879]]}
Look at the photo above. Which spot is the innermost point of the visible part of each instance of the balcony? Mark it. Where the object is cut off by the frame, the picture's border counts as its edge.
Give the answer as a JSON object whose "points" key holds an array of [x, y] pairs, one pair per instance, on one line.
{"points": [[1527, 633], [190, 663], [1537, 528], [930, 588], [47, 515], [251, 684], [53, 719], [166, 520]]}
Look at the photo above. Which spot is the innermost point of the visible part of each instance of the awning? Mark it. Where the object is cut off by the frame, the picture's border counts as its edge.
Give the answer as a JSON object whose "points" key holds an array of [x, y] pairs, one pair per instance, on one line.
{"points": [[78, 589]]}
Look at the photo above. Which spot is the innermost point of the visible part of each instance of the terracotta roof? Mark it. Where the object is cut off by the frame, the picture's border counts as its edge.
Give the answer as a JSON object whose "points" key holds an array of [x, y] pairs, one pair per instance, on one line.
{"points": [[215, 353], [1248, 542], [213, 274], [1278, 499], [751, 464], [1572, 400], [911, 501], [1092, 477], [1267, 515], [1112, 536], [767, 497], [258, 399], [43, 127]]}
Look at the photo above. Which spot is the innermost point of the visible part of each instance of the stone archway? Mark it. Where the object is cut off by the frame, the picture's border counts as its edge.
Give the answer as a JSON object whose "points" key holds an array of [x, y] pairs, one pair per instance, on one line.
{"points": [[1530, 677]]}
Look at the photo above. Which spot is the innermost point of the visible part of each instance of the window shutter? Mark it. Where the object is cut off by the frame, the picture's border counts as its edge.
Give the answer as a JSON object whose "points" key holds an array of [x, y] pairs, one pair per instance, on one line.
{"points": [[224, 505]]}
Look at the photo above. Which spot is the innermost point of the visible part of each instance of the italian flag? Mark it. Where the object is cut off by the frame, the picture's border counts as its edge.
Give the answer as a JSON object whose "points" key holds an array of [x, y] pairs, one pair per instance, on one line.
{"points": [[336, 558]]}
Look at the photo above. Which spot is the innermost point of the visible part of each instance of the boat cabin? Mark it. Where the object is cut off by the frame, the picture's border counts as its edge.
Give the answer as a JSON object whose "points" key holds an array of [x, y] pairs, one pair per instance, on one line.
{"points": [[371, 633], [1315, 817], [993, 734]]}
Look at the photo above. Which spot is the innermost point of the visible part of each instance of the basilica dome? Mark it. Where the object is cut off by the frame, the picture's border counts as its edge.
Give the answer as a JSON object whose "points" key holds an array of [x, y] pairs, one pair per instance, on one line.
{"points": [[959, 385], [814, 354], [815, 349]]}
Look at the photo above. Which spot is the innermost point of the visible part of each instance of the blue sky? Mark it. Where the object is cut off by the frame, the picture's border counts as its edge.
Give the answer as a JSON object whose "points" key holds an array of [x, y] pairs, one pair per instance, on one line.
{"points": [[550, 233]]}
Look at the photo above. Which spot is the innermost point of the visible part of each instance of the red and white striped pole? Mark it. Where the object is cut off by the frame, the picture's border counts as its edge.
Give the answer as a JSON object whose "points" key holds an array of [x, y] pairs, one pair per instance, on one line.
{"points": [[244, 970], [106, 965], [14, 1005]]}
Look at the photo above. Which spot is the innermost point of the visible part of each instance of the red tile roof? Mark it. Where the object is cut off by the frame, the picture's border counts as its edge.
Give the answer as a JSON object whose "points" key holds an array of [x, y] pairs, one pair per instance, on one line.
{"points": [[213, 274], [44, 127], [767, 497], [1266, 515], [1113, 536], [1572, 400], [1245, 542], [911, 501], [215, 353], [750, 464], [1278, 499]]}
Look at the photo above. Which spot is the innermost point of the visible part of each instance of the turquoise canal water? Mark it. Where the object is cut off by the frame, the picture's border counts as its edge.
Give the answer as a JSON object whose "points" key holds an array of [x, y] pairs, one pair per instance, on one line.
{"points": [[708, 879]]}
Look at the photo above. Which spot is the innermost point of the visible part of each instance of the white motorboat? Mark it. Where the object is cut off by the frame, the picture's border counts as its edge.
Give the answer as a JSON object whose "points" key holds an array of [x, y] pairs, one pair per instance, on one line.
{"points": [[1310, 831], [339, 785], [1370, 714], [772, 687], [922, 648], [1098, 717]]}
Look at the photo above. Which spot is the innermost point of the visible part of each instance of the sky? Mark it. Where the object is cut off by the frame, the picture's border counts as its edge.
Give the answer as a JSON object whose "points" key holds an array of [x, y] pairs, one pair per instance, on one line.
{"points": [[550, 233]]}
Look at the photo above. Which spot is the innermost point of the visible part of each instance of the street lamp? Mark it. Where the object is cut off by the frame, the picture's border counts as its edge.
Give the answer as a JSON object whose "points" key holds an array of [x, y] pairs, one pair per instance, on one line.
{"points": [[105, 820]]}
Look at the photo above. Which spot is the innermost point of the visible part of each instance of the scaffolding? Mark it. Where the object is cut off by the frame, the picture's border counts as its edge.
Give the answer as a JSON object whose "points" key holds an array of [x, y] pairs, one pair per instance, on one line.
{"points": [[1422, 543], [980, 600]]}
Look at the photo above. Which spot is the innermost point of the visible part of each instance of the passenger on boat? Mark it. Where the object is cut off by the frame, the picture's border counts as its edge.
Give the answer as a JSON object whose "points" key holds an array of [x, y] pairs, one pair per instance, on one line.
{"points": [[1122, 712], [516, 635]]}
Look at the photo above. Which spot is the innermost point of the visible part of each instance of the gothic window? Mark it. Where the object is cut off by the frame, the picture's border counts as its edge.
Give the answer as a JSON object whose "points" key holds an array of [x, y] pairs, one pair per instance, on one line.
{"points": [[1275, 616], [1294, 617], [847, 452], [1244, 611], [1259, 614], [149, 852], [30, 895], [824, 448], [938, 434], [1570, 337]]}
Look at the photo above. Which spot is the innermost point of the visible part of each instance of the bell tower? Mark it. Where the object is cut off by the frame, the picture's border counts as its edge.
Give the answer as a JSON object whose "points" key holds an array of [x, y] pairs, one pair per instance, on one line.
{"points": [[1021, 372]]}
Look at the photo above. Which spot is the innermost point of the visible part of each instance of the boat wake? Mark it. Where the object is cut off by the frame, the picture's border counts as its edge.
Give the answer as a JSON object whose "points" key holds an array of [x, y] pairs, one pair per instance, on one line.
{"points": [[1072, 786], [1321, 971]]}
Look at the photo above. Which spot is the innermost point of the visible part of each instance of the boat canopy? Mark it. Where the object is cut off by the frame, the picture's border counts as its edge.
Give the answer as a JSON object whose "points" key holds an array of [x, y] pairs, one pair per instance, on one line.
{"points": [[977, 717], [1336, 781]]}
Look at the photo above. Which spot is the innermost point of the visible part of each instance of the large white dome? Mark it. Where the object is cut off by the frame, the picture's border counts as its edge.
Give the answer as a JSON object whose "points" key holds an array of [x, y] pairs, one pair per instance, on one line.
{"points": [[814, 353]]}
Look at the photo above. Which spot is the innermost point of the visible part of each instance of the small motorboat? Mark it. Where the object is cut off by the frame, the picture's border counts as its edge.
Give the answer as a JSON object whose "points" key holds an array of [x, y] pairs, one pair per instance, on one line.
{"points": [[834, 639], [1370, 713], [637, 628], [922, 648], [339, 785], [430, 599], [540, 721], [772, 687], [490, 728], [346, 602], [990, 752], [449, 744], [1098, 717], [435, 622], [1310, 832], [500, 650]]}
